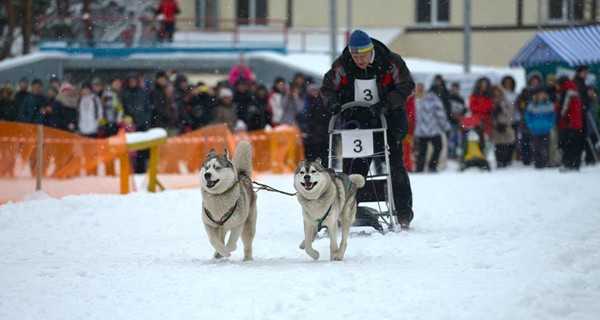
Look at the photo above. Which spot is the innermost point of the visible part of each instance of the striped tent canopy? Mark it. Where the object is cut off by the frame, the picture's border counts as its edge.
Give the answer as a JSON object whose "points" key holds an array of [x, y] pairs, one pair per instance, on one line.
{"points": [[573, 46]]}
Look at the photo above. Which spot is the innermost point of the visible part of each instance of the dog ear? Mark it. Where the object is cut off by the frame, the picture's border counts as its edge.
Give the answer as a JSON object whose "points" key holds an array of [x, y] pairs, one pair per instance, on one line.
{"points": [[318, 160], [226, 153], [212, 153]]}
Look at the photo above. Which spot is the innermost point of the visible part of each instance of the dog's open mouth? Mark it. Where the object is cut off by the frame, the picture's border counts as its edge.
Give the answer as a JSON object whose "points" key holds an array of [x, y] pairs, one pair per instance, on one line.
{"points": [[211, 183], [308, 185]]}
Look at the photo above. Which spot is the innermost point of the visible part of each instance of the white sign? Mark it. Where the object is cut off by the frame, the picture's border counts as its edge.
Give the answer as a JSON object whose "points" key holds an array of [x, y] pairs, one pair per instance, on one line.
{"points": [[357, 144], [366, 90]]}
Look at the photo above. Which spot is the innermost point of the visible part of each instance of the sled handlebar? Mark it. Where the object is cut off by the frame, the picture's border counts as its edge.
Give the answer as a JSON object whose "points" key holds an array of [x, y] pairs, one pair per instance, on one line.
{"points": [[355, 104]]}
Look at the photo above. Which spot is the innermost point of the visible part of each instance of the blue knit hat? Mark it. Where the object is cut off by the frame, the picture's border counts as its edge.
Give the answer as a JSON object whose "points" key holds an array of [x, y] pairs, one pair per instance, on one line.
{"points": [[359, 42]]}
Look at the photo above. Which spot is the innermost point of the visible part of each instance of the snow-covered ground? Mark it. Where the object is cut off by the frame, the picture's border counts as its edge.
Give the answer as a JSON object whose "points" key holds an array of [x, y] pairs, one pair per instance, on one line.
{"points": [[511, 244]]}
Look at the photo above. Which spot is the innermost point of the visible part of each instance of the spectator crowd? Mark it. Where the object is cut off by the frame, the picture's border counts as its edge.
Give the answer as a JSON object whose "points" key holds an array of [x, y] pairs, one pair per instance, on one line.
{"points": [[548, 123], [99, 109], [529, 126]]}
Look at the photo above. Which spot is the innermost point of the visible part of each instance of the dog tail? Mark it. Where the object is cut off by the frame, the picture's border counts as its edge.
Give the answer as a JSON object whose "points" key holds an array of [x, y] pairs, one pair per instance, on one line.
{"points": [[242, 158], [357, 179]]}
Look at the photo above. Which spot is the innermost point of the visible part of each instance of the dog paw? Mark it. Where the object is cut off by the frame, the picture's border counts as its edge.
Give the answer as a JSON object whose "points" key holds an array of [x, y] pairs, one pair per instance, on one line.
{"points": [[302, 245], [313, 254], [232, 248], [218, 255], [248, 258]]}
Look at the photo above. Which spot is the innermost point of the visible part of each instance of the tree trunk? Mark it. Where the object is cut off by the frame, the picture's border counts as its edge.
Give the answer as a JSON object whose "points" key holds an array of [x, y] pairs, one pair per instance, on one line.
{"points": [[10, 25], [27, 25]]}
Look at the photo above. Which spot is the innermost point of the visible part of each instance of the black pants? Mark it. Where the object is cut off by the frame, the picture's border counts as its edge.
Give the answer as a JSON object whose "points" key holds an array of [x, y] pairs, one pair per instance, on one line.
{"points": [[503, 153], [571, 143], [540, 145], [141, 161], [168, 29], [400, 181], [436, 141]]}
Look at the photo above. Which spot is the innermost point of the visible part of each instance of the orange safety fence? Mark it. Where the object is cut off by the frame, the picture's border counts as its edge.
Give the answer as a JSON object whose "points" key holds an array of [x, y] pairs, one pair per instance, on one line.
{"points": [[73, 164], [275, 151]]}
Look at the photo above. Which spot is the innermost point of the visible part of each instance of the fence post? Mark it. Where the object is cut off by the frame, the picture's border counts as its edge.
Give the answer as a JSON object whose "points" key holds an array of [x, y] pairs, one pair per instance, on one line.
{"points": [[39, 157]]}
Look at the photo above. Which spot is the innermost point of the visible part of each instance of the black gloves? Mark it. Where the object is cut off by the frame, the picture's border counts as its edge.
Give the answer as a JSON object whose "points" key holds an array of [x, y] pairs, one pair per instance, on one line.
{"points": [[379, 108], [335, 108]]}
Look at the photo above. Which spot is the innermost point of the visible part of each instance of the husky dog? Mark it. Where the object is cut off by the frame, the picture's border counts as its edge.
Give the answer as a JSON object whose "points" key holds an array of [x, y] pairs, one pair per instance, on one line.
{"points": [[228, 200], [326, 197]]}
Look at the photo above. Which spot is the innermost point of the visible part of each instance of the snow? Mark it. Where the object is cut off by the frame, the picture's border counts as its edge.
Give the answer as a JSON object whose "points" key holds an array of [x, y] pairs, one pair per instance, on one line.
{"points": [[511, 244], [152, 134], [36, 57], [517, 243]]}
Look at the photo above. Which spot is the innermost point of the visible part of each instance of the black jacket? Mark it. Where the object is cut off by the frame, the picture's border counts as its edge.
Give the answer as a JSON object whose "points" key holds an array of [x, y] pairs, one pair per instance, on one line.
{"points": [[252, 111], [164, 113], [314, 122], [136, 104], [201, 109], [394, 84]]}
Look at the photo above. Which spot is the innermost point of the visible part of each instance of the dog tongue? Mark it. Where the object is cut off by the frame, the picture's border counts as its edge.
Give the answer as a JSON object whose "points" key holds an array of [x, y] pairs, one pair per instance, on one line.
{"points": [[308, 185]]}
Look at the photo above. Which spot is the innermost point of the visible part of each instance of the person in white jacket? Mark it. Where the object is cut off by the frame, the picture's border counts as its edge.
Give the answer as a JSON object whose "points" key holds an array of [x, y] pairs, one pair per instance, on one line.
{"points": [[90, 112], [430, 122]]}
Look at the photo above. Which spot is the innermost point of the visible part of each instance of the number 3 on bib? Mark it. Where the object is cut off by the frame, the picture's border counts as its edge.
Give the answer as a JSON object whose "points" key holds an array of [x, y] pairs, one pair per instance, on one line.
{"points": [[366, 90], [357, 143]]}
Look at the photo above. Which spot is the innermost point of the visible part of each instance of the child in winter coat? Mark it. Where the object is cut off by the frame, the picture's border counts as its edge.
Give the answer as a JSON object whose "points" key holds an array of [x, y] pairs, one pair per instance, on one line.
{"points": [[540, 119]]}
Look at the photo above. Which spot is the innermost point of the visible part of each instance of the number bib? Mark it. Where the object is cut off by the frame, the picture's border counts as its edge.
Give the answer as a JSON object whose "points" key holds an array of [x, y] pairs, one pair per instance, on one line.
{"points": [[357, 143], [366, 90]]}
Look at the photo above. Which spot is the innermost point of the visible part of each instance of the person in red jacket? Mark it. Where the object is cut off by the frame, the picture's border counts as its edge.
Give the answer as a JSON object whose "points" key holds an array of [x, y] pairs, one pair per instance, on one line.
{"points": [[481, 104], [167, 9], [570, 124]]}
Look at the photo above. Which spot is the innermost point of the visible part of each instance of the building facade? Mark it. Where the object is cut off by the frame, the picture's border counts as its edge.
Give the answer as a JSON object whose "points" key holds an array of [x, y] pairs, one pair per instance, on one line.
{"points": [[430, 29]]}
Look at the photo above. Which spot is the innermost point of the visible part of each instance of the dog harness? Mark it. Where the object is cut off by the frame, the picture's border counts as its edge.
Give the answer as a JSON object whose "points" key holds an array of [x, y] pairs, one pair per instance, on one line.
{"points": [[225, 217], [320, 221], [348, 185]]}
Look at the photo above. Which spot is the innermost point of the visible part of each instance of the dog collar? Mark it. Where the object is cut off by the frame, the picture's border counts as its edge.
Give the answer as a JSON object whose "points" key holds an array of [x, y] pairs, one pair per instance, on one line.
{"points": [[225, 217]]}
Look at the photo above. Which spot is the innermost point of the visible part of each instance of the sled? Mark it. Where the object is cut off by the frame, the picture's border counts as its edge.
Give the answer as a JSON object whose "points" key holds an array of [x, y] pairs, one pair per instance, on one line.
{"points": [[360, 143]]}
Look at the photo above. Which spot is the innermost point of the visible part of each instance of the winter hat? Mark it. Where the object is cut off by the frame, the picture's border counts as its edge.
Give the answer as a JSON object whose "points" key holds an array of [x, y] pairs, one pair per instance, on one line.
{"points": [[359, 42], [65, 87], [535, 74], [225, 93]]}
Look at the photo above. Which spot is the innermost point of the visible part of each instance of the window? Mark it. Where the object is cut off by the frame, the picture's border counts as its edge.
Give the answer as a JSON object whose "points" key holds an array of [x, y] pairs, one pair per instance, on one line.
{"points": [[252, 12], [565, 10], [208, 14], [433, 11]]}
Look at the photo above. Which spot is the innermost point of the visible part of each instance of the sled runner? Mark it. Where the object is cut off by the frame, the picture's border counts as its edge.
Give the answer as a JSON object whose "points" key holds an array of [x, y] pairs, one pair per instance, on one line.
{"points": [[349, 140]]}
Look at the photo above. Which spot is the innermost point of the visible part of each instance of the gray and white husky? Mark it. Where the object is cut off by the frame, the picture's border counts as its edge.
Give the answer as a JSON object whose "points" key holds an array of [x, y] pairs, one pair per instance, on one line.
{"points": [[228, 200], [326, 197]]}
